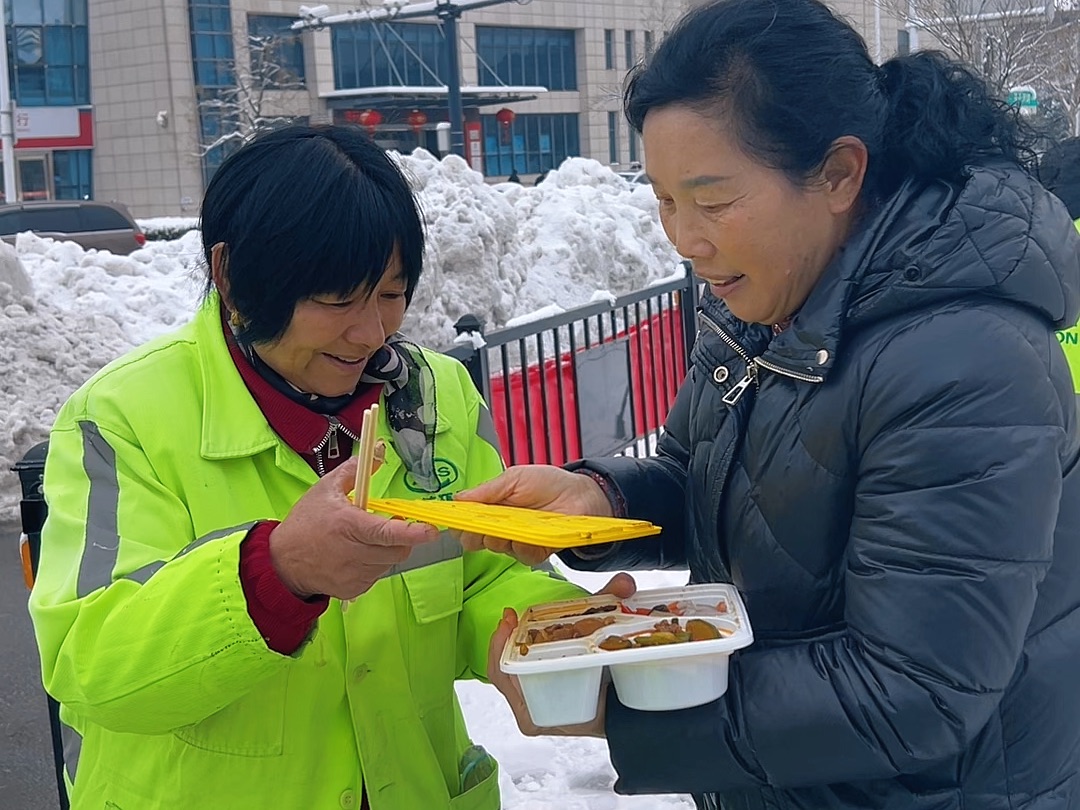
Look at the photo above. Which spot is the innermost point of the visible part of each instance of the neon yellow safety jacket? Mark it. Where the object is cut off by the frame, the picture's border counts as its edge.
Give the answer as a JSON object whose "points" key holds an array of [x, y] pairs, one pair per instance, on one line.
{"points": [[1070, 343], [157, 468]]}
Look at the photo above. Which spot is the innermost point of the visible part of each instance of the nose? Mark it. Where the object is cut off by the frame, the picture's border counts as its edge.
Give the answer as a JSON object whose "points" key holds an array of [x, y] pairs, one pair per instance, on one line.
{"points": [[366, 330], [689, 237]]}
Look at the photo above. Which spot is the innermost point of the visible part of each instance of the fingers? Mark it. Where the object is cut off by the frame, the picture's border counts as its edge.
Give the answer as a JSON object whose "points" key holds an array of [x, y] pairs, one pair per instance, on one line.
{"points": [[621, 585], [398, 532], [497, 490], [523, 552]]}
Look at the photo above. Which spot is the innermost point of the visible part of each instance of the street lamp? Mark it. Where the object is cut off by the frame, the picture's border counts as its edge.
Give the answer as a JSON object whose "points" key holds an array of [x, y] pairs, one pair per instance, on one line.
{"points": [[7, 117], [447, 11]]}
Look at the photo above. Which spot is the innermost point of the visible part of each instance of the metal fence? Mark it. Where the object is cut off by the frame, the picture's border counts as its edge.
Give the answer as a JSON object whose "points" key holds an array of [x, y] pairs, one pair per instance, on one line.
{"points": [[596, 380]]}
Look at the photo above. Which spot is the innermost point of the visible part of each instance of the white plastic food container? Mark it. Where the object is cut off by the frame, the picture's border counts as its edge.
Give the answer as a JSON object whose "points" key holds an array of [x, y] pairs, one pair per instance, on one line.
{"points": [[561, 678]]}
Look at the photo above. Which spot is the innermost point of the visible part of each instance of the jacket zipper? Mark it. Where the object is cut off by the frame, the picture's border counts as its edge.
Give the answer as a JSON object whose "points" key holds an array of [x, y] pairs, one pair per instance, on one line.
{"points": [[330, 442], [733, 396]]}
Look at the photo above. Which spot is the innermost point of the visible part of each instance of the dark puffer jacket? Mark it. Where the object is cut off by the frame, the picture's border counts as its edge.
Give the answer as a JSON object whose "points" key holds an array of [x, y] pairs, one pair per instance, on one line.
{"points": [[894, 489]]}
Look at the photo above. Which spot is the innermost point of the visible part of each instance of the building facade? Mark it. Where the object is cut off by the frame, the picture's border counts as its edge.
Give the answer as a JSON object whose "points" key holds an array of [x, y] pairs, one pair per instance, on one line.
{"points": [[139, 100], [49, 70]]}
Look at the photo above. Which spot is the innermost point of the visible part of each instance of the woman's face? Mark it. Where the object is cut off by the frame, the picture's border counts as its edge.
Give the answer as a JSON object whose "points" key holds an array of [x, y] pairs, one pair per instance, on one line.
{"points": [[759, 240], [330, 340]]}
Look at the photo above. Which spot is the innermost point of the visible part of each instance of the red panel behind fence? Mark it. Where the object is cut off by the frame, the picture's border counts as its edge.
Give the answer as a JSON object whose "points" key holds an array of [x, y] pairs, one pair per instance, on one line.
{"points": [[657, 367]]}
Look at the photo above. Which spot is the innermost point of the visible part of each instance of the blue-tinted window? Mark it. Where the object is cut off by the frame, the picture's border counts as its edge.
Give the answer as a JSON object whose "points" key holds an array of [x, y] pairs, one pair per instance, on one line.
{"points": [[212, 64], [277, 52], [613, 137], [72, 175], [631, 55], [388, 55], [211, 43], [527, 56], [609, 49], [531, 144], [48, 45]]}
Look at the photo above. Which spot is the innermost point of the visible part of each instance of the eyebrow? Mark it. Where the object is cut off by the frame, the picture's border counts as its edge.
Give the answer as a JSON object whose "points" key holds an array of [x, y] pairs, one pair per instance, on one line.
{"points": [[704, 180]]}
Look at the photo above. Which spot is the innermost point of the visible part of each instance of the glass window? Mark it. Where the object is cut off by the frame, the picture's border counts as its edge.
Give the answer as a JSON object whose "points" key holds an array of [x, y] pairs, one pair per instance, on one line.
{"points": [[633, 145], [277, 52], [48, 58], [26, 12], [388, 54], [533, 143], [11, 222], [102, 218], [613, 137], [60, 45], [212, 57], [631, 57], [527, 56], [61, 220], [71, 174], [56, 12], [609, 49], [28, 46], [648, 43], [30, 87], [60, 86]]}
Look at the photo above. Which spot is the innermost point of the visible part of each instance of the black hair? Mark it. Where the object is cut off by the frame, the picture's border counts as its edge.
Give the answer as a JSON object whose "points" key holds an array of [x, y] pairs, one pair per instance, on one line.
{"points": [[790, 77], [305, 211], [1059, 171]]}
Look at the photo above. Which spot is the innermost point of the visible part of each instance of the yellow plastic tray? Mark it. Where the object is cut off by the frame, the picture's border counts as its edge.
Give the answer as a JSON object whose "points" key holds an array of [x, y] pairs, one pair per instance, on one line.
{"points": [[530, 526]]}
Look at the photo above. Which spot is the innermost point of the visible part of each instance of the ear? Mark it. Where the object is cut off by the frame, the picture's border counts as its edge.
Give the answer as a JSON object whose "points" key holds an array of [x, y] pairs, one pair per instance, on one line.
{"points": [[219, 271], [843, 172]]}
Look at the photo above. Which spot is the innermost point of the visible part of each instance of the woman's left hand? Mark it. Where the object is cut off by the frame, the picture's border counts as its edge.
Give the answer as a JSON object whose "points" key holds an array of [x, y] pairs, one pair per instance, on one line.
{"points": [[620, 585]]}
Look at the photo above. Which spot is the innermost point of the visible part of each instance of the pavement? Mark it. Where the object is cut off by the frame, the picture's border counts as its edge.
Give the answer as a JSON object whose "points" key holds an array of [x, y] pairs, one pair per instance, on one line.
{"points": [[27, 779]]}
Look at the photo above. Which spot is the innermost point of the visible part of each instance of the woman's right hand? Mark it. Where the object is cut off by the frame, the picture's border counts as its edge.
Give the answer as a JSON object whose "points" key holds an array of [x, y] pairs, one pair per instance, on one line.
{"points": [[328, 546], [535, 486]]}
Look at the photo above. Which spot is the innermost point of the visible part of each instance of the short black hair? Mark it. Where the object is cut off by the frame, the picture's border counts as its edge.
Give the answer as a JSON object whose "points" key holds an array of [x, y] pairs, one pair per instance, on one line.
{"points": [[1059, 171], [305, 211], [790, 77]]}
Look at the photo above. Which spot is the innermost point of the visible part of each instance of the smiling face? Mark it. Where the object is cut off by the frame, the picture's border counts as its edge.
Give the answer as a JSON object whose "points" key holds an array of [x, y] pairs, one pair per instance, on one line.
{"points": [[329, 340], [760, 240]]}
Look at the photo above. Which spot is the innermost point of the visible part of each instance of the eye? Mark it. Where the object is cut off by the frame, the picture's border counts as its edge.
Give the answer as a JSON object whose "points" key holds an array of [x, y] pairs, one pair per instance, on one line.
{"points": [[713, 208], [393, 296]]}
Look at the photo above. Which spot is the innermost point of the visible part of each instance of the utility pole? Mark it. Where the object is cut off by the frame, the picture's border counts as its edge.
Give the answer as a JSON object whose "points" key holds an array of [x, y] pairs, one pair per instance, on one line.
{"points": [[7, 119], [448, 15]]}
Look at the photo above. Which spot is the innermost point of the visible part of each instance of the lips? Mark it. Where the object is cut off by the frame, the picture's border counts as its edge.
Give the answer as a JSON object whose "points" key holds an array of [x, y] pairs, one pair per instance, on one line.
{"points": [[347, 361], [723, 281]]}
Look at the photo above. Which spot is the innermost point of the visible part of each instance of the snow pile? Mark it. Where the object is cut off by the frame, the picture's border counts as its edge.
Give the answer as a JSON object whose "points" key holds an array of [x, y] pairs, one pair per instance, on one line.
{"points": [[500, 252], [504, 251]]}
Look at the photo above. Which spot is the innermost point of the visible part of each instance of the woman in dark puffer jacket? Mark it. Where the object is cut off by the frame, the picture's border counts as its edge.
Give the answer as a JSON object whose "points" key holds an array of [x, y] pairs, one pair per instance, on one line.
{"points": [[877, 441]]}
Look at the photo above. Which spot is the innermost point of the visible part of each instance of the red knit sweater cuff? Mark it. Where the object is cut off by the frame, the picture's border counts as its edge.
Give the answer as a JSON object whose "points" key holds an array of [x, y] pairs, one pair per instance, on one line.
{"points": [[283, 619]]}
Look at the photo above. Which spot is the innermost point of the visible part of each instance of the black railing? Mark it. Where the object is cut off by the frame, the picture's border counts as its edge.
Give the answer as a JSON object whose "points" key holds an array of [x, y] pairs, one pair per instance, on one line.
{"points": [[595, 380]]}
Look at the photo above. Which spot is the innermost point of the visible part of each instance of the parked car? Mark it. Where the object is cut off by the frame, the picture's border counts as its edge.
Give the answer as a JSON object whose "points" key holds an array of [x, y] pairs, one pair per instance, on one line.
{"points": [[105, 226]]}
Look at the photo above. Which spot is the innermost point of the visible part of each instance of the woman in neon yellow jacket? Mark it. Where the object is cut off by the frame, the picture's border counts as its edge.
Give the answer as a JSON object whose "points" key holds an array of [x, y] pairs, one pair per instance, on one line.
{"points": [[200, 537], [1059, 171]]}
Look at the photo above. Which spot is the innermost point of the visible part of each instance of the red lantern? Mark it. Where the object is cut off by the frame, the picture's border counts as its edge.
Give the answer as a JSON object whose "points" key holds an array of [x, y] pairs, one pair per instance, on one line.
{"points": [[505, 117], [417, 119], [369, 119]]}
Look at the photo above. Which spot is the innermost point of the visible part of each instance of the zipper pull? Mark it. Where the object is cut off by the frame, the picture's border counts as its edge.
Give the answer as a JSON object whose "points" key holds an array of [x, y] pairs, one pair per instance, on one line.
{"points": [[332, 449], [733, 396]]}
